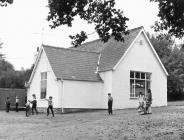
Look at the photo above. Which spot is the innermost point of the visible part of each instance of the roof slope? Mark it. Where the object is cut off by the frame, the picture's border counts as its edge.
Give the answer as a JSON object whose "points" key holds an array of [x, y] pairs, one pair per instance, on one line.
{"points": [[71, 64], [111, 51]]}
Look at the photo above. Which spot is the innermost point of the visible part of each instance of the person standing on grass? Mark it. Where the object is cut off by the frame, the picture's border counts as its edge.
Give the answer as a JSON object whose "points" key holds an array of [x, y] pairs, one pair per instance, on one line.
{"points": [[34, 104], [149, 101], [7, 104], [110, 102], [27, 109], [50, 106], [16, 103]]}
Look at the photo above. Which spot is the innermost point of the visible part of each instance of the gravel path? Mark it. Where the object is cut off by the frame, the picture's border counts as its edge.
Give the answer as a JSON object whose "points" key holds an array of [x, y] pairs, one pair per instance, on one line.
{"points": [[165, 123]]}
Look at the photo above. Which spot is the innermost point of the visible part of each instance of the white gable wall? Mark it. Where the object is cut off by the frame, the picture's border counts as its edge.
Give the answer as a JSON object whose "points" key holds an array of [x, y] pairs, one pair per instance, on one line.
{"points": [[82, 94], [139, 58], [53, 86]]}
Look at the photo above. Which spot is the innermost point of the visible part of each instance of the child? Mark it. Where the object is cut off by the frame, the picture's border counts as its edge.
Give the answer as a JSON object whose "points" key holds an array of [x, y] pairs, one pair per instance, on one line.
{"points": [[16, 104], [50, 106], [34, 104], [27, 109], [110, 102], [7, 104], [141, 102]]}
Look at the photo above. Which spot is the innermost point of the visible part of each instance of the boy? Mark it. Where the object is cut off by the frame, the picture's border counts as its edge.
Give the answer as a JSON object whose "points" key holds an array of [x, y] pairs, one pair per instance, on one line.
{"points": [[16, 104], [27, 109], [50, 106], [34, 104], [7, 104], [110, 101]]}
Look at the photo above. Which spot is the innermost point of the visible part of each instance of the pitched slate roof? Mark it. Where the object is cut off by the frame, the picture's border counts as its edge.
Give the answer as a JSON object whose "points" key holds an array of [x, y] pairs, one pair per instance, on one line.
{"points": [[71, 64], [112, 51], [81, 63]]}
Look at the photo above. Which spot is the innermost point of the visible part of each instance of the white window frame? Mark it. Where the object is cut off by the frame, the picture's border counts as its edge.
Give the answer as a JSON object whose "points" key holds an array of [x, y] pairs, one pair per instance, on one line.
{"points": [[134, 78]]}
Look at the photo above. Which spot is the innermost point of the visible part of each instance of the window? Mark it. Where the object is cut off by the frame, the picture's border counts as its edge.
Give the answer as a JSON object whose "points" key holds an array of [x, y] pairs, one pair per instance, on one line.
{"points": [[43, 85], [139, 82]]}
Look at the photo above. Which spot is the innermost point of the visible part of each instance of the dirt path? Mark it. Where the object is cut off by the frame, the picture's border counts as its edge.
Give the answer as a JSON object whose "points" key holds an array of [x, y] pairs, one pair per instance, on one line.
{"points": [[164, 123]]}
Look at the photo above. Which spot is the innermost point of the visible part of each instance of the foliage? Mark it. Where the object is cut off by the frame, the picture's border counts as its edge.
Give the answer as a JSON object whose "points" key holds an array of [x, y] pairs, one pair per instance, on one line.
{"points": [[175, 66], [173, 60], [9, 78], [5, 2], [171, 13], [108, 21]]}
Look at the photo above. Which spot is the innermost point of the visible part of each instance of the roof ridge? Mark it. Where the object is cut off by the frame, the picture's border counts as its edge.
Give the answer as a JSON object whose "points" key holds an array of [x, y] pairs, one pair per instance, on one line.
{"points": [[139, 27], [70, 49]]}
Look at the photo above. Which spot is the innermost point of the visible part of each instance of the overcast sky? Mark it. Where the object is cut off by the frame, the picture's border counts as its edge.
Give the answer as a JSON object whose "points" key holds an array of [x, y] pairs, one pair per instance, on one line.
{"points": [[23, 27]]}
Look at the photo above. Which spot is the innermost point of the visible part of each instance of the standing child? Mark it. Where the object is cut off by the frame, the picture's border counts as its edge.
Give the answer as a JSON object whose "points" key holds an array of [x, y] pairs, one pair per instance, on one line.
{"points": [[110, 101], [7, 104], [34, 104], [50, 106], [16, 103], [27, 109]]}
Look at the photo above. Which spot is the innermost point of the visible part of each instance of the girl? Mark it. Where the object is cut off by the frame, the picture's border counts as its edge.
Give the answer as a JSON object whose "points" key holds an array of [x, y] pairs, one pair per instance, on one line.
{"points": [[141, 102]]}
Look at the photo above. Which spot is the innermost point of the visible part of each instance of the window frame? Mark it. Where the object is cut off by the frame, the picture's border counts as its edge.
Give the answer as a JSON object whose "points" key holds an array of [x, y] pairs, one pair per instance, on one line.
{"points": [[135, 77], [43, 82]]}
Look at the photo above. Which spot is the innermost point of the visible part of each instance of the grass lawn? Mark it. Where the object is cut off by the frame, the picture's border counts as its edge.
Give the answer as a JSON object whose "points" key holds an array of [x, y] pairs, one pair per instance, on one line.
{"points": [[165, 123]]}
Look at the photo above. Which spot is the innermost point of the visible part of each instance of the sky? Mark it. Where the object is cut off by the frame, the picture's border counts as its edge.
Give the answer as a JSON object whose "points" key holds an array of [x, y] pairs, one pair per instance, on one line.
{"points": [[23, 27]]}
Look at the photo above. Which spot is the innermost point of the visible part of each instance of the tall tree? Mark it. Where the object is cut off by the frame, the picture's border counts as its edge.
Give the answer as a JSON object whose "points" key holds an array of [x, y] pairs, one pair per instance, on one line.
{"points": [[173, 60], [108, 20], [171, 13], [5, 2]]}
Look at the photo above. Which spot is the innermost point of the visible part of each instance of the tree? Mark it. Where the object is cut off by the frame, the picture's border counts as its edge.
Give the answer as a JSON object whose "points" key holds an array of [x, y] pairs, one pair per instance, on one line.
{"points": [[175, 66], [173, 59], [9, 78], [171, 13], [162, 44], [108, 20], [5, 2]]}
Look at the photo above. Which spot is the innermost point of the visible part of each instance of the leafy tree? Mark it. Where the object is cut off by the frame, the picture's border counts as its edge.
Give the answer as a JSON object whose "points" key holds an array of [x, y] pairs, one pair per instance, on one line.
{"points": [[175, 66], [162, 44], [9, 78], [5, 2], [108, 20], [173, 60], [171, 13]]}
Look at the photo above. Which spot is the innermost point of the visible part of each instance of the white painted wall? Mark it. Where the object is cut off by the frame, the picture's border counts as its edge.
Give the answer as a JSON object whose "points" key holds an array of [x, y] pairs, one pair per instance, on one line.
{"points": [[82, 94], [139, 58], [54, 87], [107, 86]]}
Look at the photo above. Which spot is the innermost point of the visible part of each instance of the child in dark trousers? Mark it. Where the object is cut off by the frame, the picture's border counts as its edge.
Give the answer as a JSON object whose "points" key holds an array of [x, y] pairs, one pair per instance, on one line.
{"points": [[27, 109], [50, 106], [7, 104], [110, 101], [34, 104]]}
